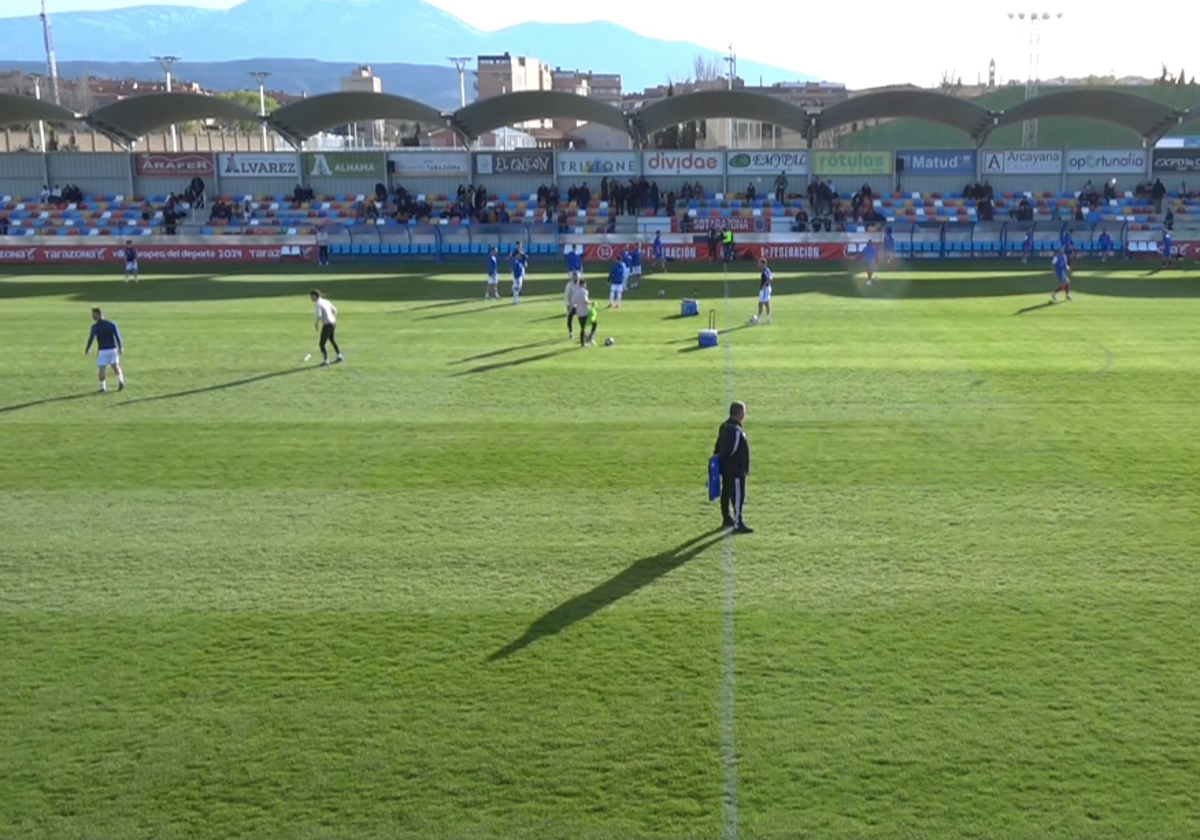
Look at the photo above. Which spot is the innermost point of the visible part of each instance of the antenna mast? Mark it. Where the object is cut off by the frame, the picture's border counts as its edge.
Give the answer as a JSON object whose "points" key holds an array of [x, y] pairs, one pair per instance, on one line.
{"points": [[51, 60]]}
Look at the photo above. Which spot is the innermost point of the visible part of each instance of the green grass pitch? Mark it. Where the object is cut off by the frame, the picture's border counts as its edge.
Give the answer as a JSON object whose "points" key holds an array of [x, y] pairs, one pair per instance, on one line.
{"points": [[467, 584]]}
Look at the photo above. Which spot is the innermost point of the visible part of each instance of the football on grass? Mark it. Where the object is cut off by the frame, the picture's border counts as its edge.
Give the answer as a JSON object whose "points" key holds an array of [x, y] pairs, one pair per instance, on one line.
{"points": [[609, 342]]}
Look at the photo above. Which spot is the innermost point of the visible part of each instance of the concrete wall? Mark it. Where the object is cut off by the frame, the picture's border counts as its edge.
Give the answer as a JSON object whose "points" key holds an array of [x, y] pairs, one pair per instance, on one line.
{"points": [[147, 187], [251, 186], [343, 186], [437, 185], [1025, 183], [945, 184], [95, 174], [23, 175]]}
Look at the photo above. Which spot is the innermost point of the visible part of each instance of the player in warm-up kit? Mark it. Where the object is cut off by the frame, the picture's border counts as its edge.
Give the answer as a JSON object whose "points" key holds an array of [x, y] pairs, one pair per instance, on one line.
{"points": [[1027, 247], [660, 254], [569, 293], [493, 277], [519, 262], [108, 349], [327, 323], [1105, 246], [616, 282], [1068, 247], [574, 263], [1062, 272], [1168, 254], [764, 293], [131, 263], [635, 265], [889, 246]]}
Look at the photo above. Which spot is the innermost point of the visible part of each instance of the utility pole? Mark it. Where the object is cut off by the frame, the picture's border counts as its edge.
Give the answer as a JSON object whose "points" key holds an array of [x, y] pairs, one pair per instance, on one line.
{"points": [[261, 77], [167, 63], [37, 93]]}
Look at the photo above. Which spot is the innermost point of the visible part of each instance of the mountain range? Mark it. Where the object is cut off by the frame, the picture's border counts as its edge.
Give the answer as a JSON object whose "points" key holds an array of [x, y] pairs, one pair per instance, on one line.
{"points": [[349, 33]]}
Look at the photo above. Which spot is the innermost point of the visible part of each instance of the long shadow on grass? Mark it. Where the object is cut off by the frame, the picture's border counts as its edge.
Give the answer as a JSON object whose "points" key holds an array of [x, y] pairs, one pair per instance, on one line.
{"points": [[46, 401], [249, 380], [515, 362], [502, 351], [1035, 307], [629, 580]]}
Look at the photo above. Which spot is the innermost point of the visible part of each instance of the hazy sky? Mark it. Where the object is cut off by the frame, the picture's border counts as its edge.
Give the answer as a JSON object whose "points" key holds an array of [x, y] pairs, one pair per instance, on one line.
{"points": [[881, 43]]}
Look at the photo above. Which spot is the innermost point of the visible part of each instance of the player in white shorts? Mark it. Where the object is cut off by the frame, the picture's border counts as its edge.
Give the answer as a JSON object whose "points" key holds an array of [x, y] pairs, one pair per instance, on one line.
{"points": [[108, 349], [493, 280], [131, 264], [764, 293]]}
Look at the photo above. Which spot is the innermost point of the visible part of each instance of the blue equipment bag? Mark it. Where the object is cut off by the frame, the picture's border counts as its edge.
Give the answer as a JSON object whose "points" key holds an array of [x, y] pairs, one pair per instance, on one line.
{"points": [[714, 479]]}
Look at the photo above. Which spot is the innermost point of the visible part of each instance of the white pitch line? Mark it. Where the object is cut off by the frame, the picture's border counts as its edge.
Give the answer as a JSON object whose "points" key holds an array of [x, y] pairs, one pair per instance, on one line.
{"points": [[729, 763]]}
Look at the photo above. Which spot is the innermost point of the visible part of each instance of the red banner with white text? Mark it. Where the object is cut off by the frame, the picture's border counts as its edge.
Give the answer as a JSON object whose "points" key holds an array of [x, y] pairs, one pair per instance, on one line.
{"points": [[49, 254], [737, 224], [749, 252]]}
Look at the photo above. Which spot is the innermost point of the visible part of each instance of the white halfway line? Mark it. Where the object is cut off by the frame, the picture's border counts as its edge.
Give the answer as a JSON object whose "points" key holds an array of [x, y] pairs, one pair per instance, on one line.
{"points": [[729, 763]]}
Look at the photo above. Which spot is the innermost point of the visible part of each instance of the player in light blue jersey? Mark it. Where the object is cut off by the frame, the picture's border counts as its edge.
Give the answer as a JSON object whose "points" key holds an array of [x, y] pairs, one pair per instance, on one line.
{"points": [[635, 266], [519, 262], [493, 277], [869, 254], [1105, 246], [574, 262], [1168, 252], [1027, 247], [1062, 272]]}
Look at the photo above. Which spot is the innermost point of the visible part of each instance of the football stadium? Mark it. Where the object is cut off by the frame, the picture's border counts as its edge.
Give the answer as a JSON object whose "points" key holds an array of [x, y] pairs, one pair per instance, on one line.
{"points": [[406, 491]]}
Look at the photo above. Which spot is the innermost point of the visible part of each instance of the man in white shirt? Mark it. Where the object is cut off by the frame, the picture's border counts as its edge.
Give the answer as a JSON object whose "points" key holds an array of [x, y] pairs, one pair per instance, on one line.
{"points": [[327, 324], [322, 247]]}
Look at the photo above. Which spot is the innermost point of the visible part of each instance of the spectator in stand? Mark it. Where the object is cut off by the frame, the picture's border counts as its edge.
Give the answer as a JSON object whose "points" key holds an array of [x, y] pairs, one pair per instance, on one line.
{"points": [[297, 195], [985, 210], [751, 192], [56, 195], [604, 193], [698, 190], [685, 192], [1110, 190], [44, 195], [781, 185], [198, 187], [1169, 219], [969, 191], [552, 199], [1158, 192], [671, 204], [573, 194], [584, 195], [655, 196], [1183, 190], [503, 217], [1024, 211], [543, 195]]}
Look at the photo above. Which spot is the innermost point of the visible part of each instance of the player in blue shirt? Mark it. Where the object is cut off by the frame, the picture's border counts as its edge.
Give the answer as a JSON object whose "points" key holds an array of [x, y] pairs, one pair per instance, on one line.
{"points": [[1027, 247], [493, 276], [131, 263], [764, 293], [1168, 253], [889, 246], [1105, 246], [108, 349], [635, 265], [574, 263], [1068, 247], [1062, 272], [617, 275], [660, 254], [519, 262], [869, 253]]}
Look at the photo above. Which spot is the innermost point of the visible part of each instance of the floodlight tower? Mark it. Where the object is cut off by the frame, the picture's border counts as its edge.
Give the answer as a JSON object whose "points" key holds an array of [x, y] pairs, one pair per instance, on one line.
{"points": [[731, 124], [261, 77], [1029, 131], [167, 63], [460, 64], [51, 58]]}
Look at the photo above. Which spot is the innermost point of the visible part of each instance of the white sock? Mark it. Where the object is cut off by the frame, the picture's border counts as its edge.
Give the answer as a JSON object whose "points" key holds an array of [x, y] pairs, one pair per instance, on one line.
{"points": [[619, 296], [103, 386], [121, 377]]}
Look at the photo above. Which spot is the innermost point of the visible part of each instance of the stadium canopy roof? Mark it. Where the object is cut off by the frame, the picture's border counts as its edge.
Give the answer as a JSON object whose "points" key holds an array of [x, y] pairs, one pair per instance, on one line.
{"points": [[485, 115], [301, 120], [15, 109], [135, 117], [1149, 118], [969, 118], [716, 104]]}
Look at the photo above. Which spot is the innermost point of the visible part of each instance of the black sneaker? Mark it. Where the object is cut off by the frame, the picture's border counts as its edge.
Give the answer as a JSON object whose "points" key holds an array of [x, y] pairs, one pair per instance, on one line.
{"points": [[120, 386], [742, 529], [727, 523]]}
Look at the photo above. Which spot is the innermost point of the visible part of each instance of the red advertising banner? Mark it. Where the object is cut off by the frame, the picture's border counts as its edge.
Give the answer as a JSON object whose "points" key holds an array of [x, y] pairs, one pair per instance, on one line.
{"points": [[175, 164], [698, 252], [738, 224], [49, 254]]}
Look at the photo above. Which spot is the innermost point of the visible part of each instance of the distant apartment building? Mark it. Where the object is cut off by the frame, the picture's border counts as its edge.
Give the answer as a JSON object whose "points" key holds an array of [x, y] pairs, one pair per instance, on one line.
{"points": [[363, 80], [496, 75], [602, 87]]}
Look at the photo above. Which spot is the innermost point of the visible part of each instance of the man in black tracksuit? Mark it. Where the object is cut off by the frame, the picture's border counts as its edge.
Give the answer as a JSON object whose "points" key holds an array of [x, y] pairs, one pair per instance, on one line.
{"points": [[733, 456]]}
